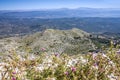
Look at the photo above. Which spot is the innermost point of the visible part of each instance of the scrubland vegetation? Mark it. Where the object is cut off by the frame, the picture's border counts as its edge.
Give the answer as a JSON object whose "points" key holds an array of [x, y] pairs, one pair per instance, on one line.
{"points": [[55, 66]]}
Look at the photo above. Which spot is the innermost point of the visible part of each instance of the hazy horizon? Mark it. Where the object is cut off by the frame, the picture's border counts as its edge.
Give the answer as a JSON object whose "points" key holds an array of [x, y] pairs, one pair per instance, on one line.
{"points": [[57, 9], [56, 4]]}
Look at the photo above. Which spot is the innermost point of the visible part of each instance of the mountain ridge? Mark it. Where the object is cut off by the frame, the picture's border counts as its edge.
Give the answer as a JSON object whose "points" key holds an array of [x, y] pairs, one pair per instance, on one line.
{"points": [[61, 41]]}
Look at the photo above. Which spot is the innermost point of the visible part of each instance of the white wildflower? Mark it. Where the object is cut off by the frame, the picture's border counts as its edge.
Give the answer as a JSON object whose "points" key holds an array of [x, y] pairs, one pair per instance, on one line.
{"points": [[112, 77]]}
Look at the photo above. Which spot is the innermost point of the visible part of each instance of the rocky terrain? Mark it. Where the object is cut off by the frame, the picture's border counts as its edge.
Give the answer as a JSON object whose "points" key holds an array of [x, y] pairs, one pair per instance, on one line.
{"points": [[7, 44], [47, 56], [47, 66], [72, 41], [67, 41]]}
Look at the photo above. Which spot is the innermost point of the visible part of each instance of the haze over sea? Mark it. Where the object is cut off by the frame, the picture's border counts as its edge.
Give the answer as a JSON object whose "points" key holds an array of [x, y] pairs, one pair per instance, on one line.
{"points": [[53, 4]]}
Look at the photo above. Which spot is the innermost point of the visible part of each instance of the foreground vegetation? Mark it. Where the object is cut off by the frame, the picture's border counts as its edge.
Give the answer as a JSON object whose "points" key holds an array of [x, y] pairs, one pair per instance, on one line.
{"points": [[55, 66]]}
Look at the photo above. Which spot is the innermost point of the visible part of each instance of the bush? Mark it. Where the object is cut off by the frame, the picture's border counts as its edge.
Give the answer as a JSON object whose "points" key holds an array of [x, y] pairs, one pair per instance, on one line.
{"points": [[91, 66]]}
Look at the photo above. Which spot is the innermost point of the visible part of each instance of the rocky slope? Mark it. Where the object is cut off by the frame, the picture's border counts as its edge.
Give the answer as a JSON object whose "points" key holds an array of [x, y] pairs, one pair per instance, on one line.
{"points": [[67, 41], [72, 41]]}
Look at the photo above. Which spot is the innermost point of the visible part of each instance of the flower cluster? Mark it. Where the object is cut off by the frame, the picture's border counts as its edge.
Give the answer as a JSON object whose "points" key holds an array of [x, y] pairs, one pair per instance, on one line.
{"points": [[93, 66]]}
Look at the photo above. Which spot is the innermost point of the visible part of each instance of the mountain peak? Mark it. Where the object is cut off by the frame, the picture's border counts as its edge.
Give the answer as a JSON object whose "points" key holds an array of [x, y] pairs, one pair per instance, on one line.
{"points": [[61, 40]]}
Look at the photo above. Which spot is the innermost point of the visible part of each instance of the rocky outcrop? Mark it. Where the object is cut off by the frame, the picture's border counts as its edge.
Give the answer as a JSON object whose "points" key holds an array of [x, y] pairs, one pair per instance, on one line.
{"points": [[72, 41]]}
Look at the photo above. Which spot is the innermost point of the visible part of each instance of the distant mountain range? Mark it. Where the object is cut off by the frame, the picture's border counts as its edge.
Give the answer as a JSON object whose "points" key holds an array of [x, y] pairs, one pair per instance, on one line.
{"points": [[93, 20], [63, 13], [21, 26]]}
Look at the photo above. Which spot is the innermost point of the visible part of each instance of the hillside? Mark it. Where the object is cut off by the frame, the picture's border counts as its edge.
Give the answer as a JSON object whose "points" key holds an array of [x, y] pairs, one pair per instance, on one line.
{"points": [[21, 26], [72, 41], [68, 41], [43, 56]]}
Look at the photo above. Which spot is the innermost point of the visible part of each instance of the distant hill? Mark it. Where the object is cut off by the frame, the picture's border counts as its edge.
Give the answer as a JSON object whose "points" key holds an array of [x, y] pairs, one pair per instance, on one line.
{"points": [[21, 26], [93, 20], [72, 41], [111, 35], [68, 41], [63, 13]]}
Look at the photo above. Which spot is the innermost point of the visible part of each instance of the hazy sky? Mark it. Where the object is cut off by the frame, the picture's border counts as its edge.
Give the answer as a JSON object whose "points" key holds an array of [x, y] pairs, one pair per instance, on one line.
{"points": [[49, 4]]}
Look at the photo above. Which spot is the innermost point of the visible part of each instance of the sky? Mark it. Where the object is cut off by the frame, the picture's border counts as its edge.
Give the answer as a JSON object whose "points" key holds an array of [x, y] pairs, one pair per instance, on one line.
{"points": [[54, 4]]}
